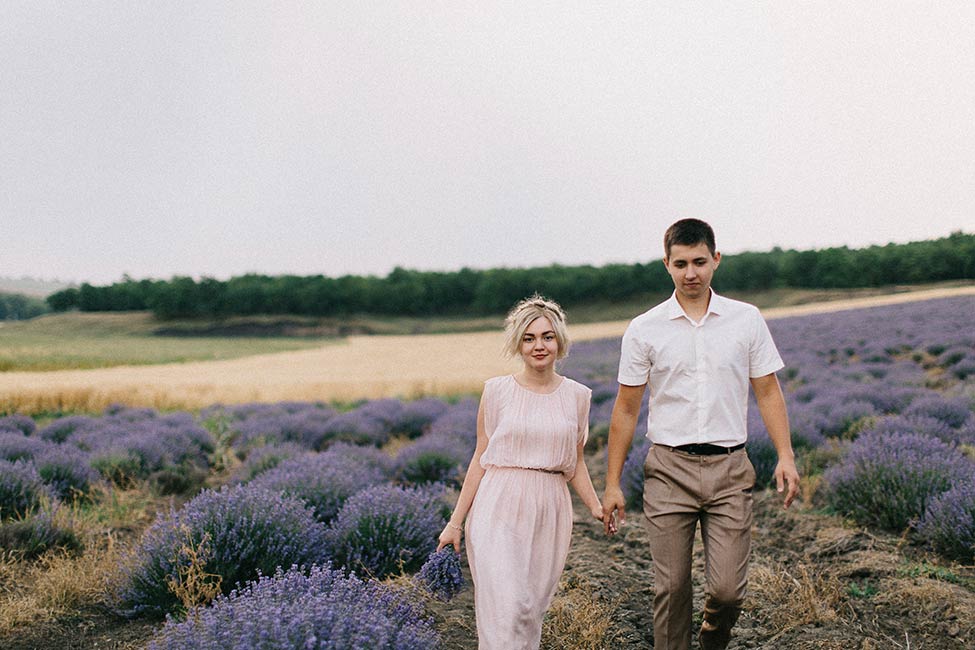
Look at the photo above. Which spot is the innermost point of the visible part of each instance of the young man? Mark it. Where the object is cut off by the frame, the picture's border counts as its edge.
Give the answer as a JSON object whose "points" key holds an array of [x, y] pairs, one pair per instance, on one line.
{"points": [[698, 352]]}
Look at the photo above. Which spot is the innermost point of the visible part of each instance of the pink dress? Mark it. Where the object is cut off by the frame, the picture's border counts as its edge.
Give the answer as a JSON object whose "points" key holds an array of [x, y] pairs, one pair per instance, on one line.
{"points": [[520, 523]]}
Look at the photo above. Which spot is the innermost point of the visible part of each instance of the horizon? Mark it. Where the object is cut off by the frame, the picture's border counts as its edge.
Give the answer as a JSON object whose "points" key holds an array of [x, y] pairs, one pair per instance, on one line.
{"points": [[67, 284]]}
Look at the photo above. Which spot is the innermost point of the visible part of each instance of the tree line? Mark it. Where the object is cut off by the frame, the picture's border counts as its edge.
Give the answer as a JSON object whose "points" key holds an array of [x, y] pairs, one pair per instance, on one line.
{"points": [[481, 292], [16, 306]]}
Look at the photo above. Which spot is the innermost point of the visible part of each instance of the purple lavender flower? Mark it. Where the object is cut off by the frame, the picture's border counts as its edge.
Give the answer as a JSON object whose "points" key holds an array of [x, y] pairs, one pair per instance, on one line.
{"points": [[386, 529], [387, 411], [954, 412], [434, 458], [460, 418], [322, 481], [18, 422], [887, 480], [368, 455], [925, 425], [261, 459], [308, 428], [320, 608], [842, 417], [441, 574], [63, 428], [416, 416], [358, 427], [15, 446], [948, 524], [251, 531], [964, 369], [66, 470], [21, 489]]}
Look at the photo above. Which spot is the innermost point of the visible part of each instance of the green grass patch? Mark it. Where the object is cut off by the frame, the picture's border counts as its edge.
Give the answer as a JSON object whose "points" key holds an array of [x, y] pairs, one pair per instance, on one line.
{"points": [[83, 341]]}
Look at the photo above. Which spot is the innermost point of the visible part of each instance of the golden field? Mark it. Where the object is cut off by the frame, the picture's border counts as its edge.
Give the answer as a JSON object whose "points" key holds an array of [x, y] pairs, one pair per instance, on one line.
{"points": [[356, 368]]}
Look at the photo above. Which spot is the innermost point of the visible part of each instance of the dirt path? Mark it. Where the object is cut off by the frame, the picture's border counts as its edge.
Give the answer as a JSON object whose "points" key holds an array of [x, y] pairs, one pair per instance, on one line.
{"points": [[362, 367], [816, 583]]}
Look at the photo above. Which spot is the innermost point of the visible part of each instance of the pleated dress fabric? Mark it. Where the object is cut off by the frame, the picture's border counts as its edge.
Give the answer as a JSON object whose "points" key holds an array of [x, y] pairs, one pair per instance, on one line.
{"points": [[520, 523]]}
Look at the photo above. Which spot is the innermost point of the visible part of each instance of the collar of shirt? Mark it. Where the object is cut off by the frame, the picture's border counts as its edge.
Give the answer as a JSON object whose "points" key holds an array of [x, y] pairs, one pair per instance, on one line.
{"points": [[715, 306]]}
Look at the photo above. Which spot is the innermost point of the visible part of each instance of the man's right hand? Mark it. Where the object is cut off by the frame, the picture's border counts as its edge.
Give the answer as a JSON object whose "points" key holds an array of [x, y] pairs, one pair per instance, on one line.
{"points": [[614, 515]]}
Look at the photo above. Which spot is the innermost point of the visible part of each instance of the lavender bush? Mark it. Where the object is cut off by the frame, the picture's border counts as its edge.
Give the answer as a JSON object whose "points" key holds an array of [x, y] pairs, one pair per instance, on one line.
{"points": [[416, 416], [887, 480], [323, 609], [948, 525], [360, 427], [955, 412], [63, 428], [433, 458], [66, 470], [21, 489], [25, 425], [441, 574], [15, 446], [364, 454], [118, 465], [250, 530], [260, 459], [322, 481], [29, 538], [460, 419], [386, 529]]}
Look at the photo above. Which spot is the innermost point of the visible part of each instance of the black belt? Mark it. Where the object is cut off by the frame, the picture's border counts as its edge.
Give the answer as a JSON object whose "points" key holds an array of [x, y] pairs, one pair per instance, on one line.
{"points": [[705, 449]]}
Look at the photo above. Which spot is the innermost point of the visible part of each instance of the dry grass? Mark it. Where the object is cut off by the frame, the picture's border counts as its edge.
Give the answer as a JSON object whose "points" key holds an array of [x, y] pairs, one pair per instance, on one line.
{"points": [[54, 584], [59, 582], [927, 602], [786, 597], [579, 618], [193, 586]]}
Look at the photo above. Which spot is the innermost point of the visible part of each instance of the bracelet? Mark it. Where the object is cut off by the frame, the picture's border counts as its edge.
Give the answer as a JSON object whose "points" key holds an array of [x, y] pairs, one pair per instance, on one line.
{"points": [[454, 526]]}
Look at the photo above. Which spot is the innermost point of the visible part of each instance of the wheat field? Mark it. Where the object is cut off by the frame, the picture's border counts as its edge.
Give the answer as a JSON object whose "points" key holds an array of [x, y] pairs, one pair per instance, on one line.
{"points": [[363, 367]]}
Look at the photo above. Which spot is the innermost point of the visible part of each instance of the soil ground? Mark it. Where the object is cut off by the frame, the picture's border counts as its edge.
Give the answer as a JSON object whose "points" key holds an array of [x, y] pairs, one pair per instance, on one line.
{"points": [[817, 582]]}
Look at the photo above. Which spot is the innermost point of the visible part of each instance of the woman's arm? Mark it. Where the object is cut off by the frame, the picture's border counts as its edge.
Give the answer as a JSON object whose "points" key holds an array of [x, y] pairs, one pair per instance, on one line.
{"points": [[582, 483], [455, 527]]}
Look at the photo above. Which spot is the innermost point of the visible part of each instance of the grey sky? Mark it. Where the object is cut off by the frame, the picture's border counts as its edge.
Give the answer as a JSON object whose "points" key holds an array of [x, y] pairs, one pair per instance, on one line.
{"points": [[217, 138]]}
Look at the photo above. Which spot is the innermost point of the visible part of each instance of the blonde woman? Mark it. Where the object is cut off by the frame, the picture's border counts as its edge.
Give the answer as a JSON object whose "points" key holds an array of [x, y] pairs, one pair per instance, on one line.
{"points": [[531, 428]]}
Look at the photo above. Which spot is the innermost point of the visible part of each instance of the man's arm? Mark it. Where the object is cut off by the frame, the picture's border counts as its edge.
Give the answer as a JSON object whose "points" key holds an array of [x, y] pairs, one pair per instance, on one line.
{"points": [[621, 427], [771, 404]]}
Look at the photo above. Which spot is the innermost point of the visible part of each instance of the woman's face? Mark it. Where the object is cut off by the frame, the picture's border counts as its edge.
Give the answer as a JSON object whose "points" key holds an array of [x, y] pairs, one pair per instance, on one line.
{"points": [[539, 346]]}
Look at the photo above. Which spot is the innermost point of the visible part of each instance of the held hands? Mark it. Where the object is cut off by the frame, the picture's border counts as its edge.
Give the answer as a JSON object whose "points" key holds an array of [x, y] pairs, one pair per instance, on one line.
{"points": [[597, 512], [450, 536], [613, 515]]}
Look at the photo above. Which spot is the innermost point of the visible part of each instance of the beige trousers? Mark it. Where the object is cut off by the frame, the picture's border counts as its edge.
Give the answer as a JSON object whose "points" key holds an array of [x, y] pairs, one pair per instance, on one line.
{"points": [[680, 490]]}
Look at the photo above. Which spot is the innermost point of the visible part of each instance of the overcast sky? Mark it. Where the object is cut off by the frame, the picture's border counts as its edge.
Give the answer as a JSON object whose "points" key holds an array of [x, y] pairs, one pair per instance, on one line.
{"points": [[218, 138]]}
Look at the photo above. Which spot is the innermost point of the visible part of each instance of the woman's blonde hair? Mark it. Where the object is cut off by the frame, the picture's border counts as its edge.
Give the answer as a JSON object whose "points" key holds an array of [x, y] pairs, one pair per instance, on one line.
{"points": [[521, 317]]}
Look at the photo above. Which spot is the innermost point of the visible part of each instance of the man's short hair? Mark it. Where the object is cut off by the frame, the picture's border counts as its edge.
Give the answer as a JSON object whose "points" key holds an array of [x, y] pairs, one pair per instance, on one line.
{"points": [[689, 232]]}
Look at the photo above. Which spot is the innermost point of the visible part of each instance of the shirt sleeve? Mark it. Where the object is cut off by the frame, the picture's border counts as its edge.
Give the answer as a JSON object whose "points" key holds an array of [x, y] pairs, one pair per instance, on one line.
{"points": [[763, 356], [634, 360]]}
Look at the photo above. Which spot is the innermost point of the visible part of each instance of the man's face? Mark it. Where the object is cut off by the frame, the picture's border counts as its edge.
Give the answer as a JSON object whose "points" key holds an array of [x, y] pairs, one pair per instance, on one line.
{"points": [[691, 269]]}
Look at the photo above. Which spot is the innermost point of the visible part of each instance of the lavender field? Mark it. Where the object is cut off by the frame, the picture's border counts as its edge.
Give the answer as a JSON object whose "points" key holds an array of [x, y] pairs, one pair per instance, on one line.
{"points": [[297, 524]]}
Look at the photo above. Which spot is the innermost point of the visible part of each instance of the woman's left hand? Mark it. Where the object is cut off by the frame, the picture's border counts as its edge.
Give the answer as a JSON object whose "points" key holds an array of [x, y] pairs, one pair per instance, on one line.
{"points": [[597, 513]]}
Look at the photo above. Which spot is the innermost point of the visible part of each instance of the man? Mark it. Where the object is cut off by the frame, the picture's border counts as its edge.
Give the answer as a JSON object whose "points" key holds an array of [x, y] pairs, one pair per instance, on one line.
{"points": [[698, 352]]}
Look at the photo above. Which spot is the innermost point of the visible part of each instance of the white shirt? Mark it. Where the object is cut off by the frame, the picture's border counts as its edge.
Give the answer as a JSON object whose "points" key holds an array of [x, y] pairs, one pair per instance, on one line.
{"points": [[698, 372]]}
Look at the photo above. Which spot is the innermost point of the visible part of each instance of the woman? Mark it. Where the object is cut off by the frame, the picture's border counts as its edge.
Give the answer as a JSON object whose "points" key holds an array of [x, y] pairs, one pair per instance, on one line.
{"points": [[531, 428]]}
